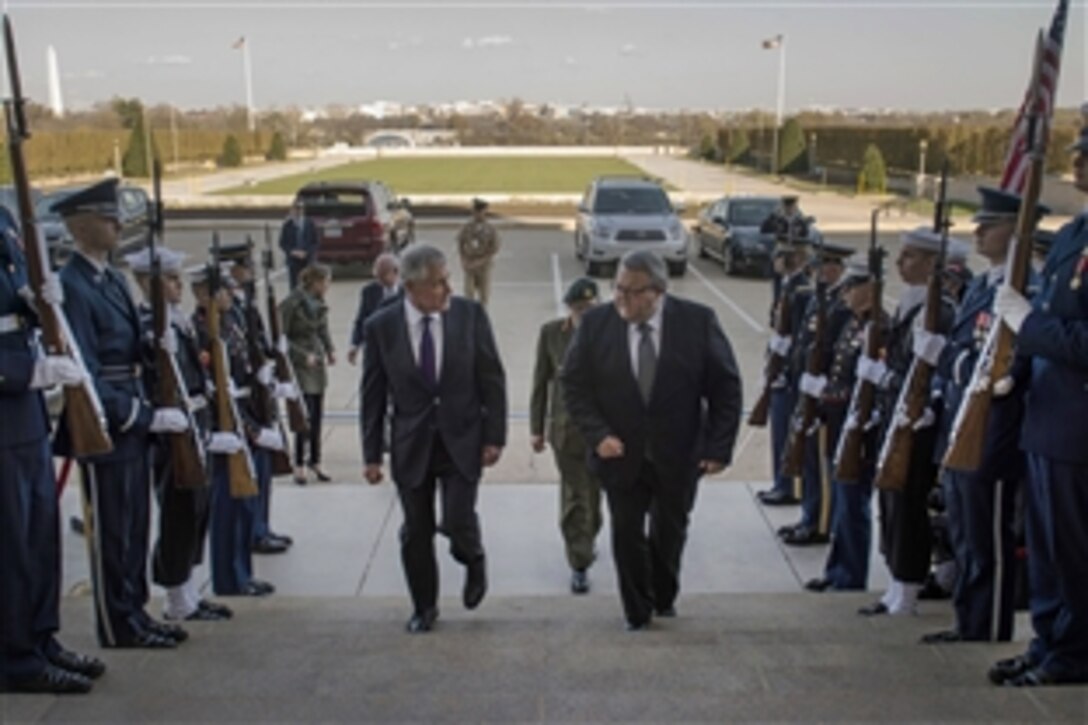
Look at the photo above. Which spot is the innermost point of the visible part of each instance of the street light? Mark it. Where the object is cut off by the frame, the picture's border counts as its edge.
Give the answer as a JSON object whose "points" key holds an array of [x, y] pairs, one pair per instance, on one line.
{"points": [[779, 42], [921, 180]]}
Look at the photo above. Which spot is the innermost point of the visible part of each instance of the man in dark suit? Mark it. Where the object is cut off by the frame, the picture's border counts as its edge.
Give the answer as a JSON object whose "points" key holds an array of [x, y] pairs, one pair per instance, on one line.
{"points": [[385, 289], [448, 416], [652, 383], [298, 240]]}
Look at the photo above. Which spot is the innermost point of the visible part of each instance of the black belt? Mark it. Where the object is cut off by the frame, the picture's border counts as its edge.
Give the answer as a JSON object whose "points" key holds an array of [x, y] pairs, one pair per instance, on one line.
{"points": [[119, 373]]}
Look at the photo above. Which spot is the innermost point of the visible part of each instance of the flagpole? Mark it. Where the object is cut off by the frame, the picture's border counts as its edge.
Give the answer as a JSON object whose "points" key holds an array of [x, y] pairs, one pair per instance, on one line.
{"points": [[781, 99], [247, 70]]}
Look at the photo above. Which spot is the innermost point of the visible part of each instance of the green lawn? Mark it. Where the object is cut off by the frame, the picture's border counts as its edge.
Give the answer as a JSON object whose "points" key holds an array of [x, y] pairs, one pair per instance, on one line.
{"points": [[462, 175]]}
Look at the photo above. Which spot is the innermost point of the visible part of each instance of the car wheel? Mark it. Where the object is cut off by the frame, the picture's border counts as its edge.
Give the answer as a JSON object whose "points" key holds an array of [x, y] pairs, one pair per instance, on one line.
{"points": [[729, 265], [677, 269]]}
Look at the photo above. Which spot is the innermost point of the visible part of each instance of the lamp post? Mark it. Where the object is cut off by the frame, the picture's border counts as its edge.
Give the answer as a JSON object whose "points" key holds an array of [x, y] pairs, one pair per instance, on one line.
{"points": [[778, 42], [920, 182]]}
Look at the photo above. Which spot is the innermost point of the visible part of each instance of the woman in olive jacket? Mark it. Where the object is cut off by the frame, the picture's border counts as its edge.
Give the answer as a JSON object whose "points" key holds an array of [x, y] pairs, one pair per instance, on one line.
{"points": [[306, 325]]}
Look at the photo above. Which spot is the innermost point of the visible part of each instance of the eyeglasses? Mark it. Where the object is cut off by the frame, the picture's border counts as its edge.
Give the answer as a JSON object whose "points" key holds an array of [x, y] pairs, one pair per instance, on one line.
{"points": [[621, 291]]}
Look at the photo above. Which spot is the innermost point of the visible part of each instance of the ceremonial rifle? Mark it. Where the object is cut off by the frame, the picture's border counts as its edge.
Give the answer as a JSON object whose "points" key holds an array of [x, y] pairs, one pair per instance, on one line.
{"points": [[243, 480], [187, 460], [297, 417], [893, 465], [991, 373], [776, 363], [848, 457], [87, 425]]}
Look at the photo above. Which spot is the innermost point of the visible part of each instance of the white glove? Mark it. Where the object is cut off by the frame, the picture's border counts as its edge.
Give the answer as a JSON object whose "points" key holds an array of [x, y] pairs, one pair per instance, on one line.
{"points": [[780, 345], [55, 370], [928, 346], [225, 443], [271, 439], [1012, 307], [925, 420], [169, 420], [52, 290], [813, 385], [169, 342], [871, 370], [281, 345], [267, 374], [287, 391]]}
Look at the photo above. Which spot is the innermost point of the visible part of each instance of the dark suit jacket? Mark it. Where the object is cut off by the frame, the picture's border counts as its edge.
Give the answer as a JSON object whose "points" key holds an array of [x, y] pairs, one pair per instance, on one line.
{"points": [[370, 299], [467, 409], [695, 406], [295, 236]]}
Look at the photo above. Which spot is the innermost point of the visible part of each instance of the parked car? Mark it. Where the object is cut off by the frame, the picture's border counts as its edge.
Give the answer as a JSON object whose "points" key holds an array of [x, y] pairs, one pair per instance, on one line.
{"points": [[134, 205], [356, 221], [621, 213], [729, 230]]}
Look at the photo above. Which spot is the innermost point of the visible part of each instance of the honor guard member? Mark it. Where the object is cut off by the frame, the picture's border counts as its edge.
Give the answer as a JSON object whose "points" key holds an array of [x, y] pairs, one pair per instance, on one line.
{"points": [[106, 324], [579, 490], [1053, 332], [183, 509], [905, 536], [478, 243], [815, 524], [31, 658], [980, 506], [240, 257], [786, 221], [847, 565], [231, 526], [794, 285]]}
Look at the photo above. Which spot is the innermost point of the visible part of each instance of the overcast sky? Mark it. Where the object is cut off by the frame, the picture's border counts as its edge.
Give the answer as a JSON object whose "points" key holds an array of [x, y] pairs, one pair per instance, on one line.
{"points": [[920, 54]]}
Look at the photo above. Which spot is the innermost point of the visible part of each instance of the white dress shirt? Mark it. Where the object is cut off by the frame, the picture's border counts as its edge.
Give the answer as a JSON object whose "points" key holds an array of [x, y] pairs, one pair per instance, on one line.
{"points": [[415, 334], [634, 336]]}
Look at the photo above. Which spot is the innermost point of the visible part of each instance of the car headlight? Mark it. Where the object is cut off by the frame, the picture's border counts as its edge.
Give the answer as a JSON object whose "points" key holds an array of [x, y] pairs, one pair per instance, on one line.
{"points": [[676, 230]]}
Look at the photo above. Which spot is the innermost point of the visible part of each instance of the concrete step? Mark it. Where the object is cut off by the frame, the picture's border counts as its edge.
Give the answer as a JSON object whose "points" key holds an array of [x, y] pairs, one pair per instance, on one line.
{"points": [[781, 657]]}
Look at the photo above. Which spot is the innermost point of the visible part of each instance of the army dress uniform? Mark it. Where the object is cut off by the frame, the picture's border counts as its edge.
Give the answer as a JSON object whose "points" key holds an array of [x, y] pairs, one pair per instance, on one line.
{"points": [[580, 491], [478, 243]]}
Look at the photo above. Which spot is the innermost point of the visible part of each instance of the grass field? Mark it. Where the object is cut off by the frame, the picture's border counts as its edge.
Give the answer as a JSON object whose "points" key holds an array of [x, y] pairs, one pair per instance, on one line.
{"points": [[461, 175]]}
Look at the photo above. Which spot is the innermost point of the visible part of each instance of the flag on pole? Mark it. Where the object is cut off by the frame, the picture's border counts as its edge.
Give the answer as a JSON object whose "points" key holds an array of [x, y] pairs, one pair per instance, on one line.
{"points": [[772, 43], [239, 44], [1015, 173]]}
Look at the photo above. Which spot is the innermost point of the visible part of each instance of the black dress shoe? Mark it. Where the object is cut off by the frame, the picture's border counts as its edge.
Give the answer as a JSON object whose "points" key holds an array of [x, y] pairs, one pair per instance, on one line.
{"points": [[268, 545], [144, 639], [52, 680], [257, 588], [873, 610], [89, 667], [638, 626], [945, 636], [282, 537], [777, 498], [1007, 669], [320, 475], [787, 529], [668, 612], [804, 536], [1037, 677], [222, 610], [818, 585], [422, 621], [475, 584], [172, 631], [579, 581]]}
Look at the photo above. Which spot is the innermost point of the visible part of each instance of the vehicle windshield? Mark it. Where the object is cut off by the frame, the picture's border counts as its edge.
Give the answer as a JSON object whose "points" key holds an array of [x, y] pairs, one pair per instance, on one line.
{"points": [[750, 213], [635, 200]]}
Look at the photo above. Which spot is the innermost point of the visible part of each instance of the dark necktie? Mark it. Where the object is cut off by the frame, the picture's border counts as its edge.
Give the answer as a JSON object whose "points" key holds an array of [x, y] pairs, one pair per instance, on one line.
{"points": [[647, 361], [426, 354]]}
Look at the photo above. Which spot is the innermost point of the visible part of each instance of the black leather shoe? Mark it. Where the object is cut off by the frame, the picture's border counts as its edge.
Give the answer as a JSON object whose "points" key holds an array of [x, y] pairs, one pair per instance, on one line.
{"points": [[638, 626], [1007, 669], [89, 667], [873, 610], [52, 680], [282, 537], [268, 545], [1037, 677], [422, 621], [818, 585], [320, 475], [579, 581], [777, 498], [668, 612], [171, 631], [945, 636], [258, 588], [145, 639], [222, 610], [787, 530], [475, 584], [804, 536]]}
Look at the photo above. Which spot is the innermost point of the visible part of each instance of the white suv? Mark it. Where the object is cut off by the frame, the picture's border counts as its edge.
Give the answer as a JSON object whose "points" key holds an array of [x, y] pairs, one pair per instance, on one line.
{"points": [[621, 213]]}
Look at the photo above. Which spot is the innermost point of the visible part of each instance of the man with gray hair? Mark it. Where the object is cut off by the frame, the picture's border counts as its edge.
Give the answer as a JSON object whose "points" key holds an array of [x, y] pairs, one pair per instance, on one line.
{"points": [[384, 289], [448, 418], [652, 384]]}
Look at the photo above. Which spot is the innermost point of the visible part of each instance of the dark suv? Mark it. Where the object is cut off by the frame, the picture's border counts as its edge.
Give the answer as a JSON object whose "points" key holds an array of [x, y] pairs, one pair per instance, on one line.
{"points": [[356, 221]]}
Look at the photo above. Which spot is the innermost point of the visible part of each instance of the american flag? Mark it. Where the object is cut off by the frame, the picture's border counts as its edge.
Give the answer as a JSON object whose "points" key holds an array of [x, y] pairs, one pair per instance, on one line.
{"points": [[1017, 161]]}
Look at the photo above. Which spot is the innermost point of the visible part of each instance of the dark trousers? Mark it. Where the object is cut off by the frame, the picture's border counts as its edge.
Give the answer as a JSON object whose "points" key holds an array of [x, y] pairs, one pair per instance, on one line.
{"points": [[459, 522], [648, 567], [905, 535], [232, 528], [117, 524], [29, 559], [183, 524], [816, 489], [783, 401], [259, 507], [1057, 540], [847, 565], [294, 266], [980, 514], [315, 405]]}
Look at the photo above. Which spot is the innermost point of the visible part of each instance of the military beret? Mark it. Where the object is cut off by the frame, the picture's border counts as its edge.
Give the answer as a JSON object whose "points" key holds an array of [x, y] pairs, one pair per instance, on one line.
{"points": [[170, 261], [99, 198], [580, 290]]}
